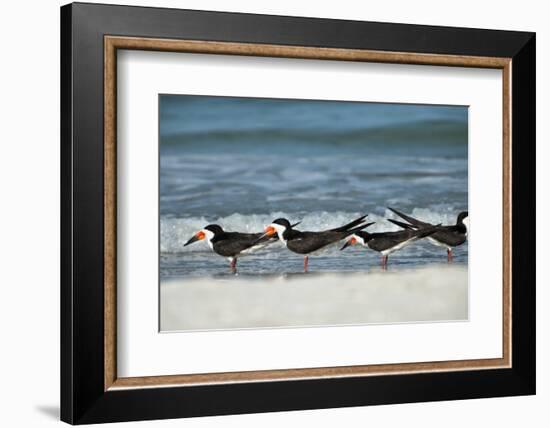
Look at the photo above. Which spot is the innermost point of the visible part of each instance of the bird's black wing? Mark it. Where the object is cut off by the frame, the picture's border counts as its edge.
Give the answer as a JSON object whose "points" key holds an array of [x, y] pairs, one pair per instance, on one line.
{"points": [[385, 240], [450, 235], [231, 244], [308, 242]]}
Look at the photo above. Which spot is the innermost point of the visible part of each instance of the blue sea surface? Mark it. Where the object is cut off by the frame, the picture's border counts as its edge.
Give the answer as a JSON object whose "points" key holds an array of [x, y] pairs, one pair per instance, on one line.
{"points": [[242, 162]]}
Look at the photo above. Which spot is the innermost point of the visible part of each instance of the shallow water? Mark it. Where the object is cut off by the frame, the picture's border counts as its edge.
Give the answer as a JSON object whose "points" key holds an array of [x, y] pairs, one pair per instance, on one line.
{"points": [[243, 162]]}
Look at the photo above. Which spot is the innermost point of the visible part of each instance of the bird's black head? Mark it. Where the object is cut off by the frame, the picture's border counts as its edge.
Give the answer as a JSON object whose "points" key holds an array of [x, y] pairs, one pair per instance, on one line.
{"points": [[201, 234], [461, 217], [214, 228], [283, 222], [280, 226]]}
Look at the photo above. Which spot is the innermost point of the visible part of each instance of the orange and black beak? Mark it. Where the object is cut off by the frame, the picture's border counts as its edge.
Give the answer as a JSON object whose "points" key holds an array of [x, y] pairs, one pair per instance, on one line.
{"points": [[269, 231], [199, 236], [351, 241]]}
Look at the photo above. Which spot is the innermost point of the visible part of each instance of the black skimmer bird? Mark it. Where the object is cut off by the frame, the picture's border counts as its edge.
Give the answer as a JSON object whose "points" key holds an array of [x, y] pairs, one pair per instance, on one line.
{"points": [[306, 243], [388, 242], [446, 236], [230, 244]]}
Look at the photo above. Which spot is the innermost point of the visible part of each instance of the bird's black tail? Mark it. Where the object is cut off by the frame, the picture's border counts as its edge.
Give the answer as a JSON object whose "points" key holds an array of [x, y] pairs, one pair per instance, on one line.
{"points": [[348, 226], [402, 224], [410, 219]]}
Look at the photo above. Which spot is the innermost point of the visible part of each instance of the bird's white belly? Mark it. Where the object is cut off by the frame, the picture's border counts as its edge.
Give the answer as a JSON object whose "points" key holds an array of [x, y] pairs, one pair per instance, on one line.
{"points": [[398, 246], [255, 248], [437, 243]]}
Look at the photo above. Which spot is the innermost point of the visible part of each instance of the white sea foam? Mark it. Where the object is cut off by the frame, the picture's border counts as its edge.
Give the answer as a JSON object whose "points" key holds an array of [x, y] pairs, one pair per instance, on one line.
{"points": [[174, 232]]}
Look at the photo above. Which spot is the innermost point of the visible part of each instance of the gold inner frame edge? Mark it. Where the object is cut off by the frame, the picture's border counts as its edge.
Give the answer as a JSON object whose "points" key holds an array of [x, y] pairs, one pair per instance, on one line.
{"points": [[113, 43]]}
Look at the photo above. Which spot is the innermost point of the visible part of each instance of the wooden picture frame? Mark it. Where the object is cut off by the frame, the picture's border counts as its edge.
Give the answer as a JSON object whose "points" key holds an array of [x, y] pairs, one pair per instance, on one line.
{"points": [[91, 390]]}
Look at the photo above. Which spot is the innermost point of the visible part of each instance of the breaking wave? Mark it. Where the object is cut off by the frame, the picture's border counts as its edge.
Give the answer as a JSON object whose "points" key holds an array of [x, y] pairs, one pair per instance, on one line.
{"points": [[174, 232]]}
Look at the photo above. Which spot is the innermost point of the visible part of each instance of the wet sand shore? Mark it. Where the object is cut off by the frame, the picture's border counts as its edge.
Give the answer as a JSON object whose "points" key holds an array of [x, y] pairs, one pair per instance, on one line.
{"points": [[434, 293]]}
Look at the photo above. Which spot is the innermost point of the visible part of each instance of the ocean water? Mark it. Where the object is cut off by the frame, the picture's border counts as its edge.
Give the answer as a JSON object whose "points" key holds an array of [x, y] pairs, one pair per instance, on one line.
{"points": [[242, 162]]}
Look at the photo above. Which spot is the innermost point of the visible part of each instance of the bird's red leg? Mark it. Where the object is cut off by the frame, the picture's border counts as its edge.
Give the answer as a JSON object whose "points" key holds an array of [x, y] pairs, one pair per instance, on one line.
{"points": [[384, 262], [234, 265], [305, 263], [449, 255]]}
